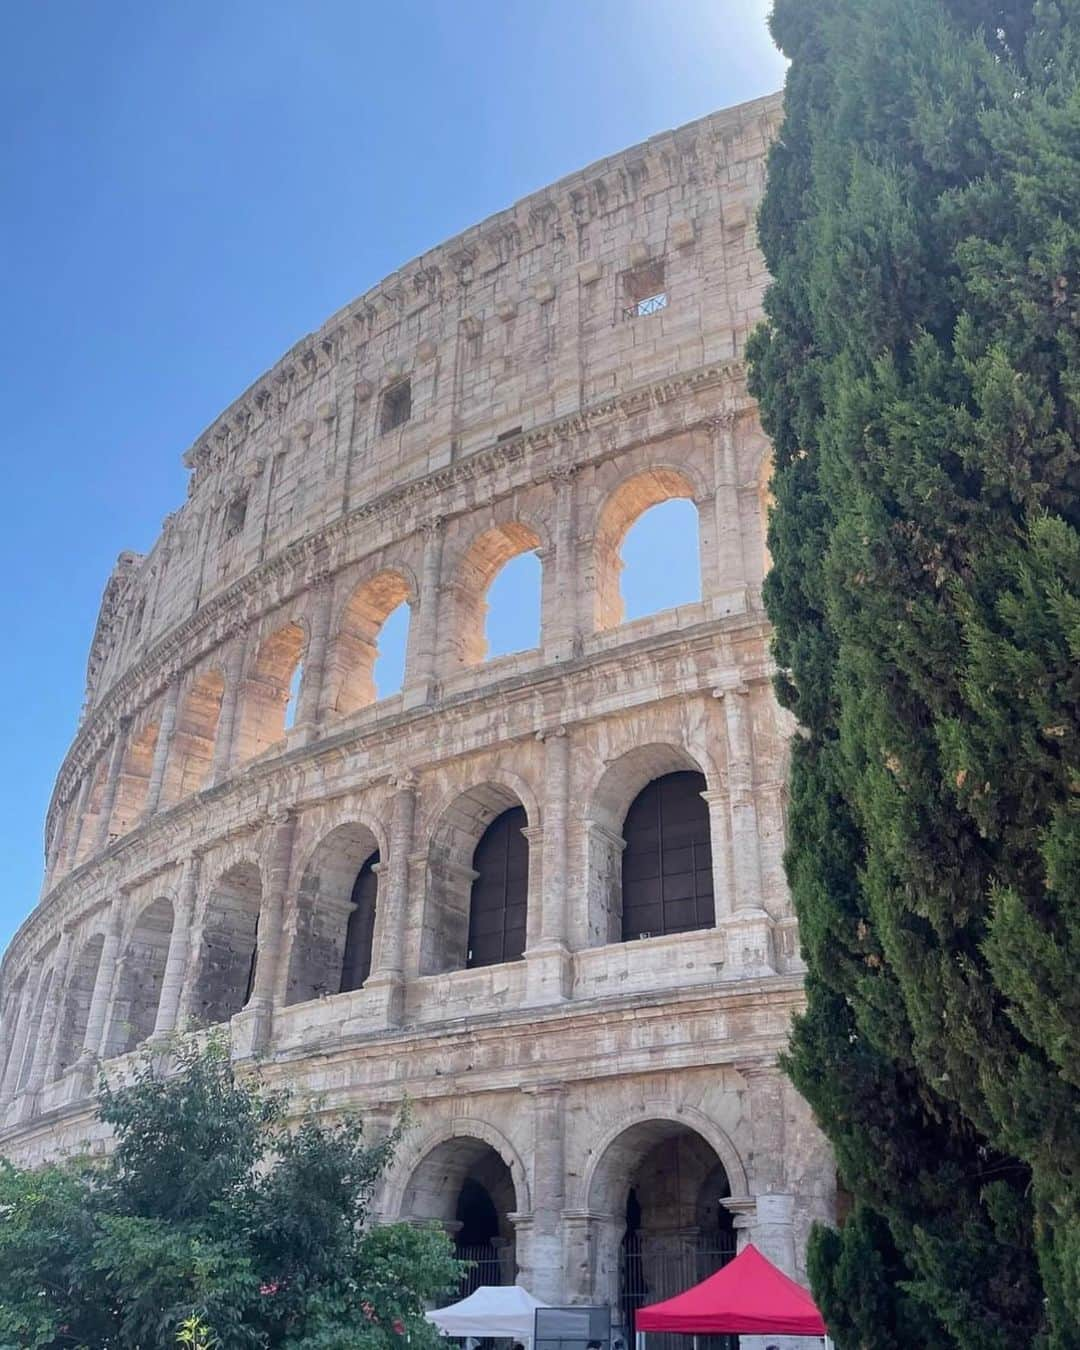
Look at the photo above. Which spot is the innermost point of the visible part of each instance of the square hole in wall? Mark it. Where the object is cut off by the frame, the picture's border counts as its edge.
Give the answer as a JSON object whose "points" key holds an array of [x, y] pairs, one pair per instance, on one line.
{"points": [[396, 406], [643, 290]]}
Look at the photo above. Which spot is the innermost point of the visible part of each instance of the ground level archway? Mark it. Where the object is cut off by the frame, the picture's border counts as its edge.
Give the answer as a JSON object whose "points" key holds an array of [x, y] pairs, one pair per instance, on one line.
{"points": [[467, 1186], [658, 1196]]}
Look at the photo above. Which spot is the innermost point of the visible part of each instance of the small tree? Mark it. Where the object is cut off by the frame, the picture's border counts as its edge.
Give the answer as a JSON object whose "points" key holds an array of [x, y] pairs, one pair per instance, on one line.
{"points": [[215, 1221]]}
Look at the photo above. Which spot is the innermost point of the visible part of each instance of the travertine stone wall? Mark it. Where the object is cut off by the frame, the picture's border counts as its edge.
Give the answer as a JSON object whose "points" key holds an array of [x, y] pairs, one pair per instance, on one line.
{"points": [[519, 388]]}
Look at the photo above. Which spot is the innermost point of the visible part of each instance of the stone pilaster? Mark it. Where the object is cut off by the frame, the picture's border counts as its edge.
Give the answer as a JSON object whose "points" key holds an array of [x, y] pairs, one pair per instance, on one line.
{"points": [[176, 961], [227, 717], [268, 960], [21, 1034], [749, 927], [75, 823], [562, 629], [309, 705], [542, 1255], [98, 1017], [65, 961], [166, 727], [46, 1030], [112, 782], [548, 957], [730, 592], [420, 671], [392, 905]]}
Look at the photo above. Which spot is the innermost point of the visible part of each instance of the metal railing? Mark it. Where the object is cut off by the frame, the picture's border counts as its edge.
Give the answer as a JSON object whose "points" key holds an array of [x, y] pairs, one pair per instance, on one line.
{"points": [[646, 1277], [488, 1267], [651, 304]]}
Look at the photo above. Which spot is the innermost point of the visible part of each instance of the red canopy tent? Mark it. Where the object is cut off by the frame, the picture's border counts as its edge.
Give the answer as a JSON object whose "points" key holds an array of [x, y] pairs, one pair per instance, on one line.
{"points": [[749, 1295]]}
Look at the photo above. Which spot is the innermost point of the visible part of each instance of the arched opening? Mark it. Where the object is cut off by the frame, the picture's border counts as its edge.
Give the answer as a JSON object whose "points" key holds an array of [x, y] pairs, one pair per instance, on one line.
{"points": [[498, 901], [649, 848], [478, 879], [667, 880], [139, 979], [191, 754], [479, 630], [335, 915], [226, 975], [134, 781], [270, 692], [664, 551], [660, 560], [75, 1013], [368, 661], [658, 1193], [468, 1187]]}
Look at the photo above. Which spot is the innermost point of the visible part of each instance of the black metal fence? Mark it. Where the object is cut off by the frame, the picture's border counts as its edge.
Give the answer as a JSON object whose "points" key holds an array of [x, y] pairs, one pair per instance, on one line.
{"points": [[646, 1277], [488, 1267]]}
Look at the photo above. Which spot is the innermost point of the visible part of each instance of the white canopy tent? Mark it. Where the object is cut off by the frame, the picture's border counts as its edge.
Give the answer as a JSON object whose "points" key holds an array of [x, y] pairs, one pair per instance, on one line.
{"points": [[500, 1310]]}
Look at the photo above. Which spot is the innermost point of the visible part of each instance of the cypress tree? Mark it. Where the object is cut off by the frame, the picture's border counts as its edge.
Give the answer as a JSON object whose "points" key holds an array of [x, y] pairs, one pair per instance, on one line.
{"points": [[918, 372]]}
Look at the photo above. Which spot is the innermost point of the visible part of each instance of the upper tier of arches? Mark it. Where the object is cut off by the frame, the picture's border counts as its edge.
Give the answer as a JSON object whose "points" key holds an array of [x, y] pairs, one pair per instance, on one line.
{"points": [[306, 667]]}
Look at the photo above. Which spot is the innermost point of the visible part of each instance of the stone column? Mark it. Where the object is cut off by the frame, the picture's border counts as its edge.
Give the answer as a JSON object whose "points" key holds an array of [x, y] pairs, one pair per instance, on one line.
{"points": [[542, 1255], [21, 1033], [172, 984], [46, 1031], [392, 903], [166, 727], [719, 806], [548, 957], [251, 1027], [65, 965], [230, 702], [562, 627], [749, 928], [772, 1228], [97, 1018], [279, 865], [112, 781], [309, 704], [730, 596], [74, 831], [420, 668]]}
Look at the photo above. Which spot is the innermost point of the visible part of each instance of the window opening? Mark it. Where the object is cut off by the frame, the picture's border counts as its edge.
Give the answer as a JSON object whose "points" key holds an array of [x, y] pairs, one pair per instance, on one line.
{"points": [[512, 622], [643, 291], [396, 406], [661, 564], [389, 667], [293, 699], [497, 905], [360, 933], [667, 883]]}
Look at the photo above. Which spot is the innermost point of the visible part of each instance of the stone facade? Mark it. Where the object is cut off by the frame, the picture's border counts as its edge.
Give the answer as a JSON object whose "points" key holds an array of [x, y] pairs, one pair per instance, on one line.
{"points": [[534, 384]]}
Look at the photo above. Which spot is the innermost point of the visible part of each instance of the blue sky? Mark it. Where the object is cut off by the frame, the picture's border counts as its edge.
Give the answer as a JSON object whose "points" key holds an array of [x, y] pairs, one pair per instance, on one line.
{"points": [[188, 188]]}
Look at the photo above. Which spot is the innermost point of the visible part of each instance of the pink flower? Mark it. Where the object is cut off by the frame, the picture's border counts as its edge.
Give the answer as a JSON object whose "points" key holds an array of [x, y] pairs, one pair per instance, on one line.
{"points": [[271, 1288], [399, 1327]]}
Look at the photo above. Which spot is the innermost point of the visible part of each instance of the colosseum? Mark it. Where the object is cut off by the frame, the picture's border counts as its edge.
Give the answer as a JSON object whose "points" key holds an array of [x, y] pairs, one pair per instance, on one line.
{"points": [[541, 895]]}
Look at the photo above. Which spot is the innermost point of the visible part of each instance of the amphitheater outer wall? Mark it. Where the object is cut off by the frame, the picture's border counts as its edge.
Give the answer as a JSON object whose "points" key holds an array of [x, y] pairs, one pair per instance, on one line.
{"points": [[532, 385]]}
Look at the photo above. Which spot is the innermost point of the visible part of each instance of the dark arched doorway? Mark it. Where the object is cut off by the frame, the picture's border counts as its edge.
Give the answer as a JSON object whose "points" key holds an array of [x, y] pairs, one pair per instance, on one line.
{"points": [[465, 1184], [499, 897], [360, 929], [667, 880], [659, 1191]]}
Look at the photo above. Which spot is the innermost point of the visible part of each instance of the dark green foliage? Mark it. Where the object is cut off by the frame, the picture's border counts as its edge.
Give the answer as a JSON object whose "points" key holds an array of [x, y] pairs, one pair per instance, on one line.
{"points": [[211, 1207], [919, 374]]}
